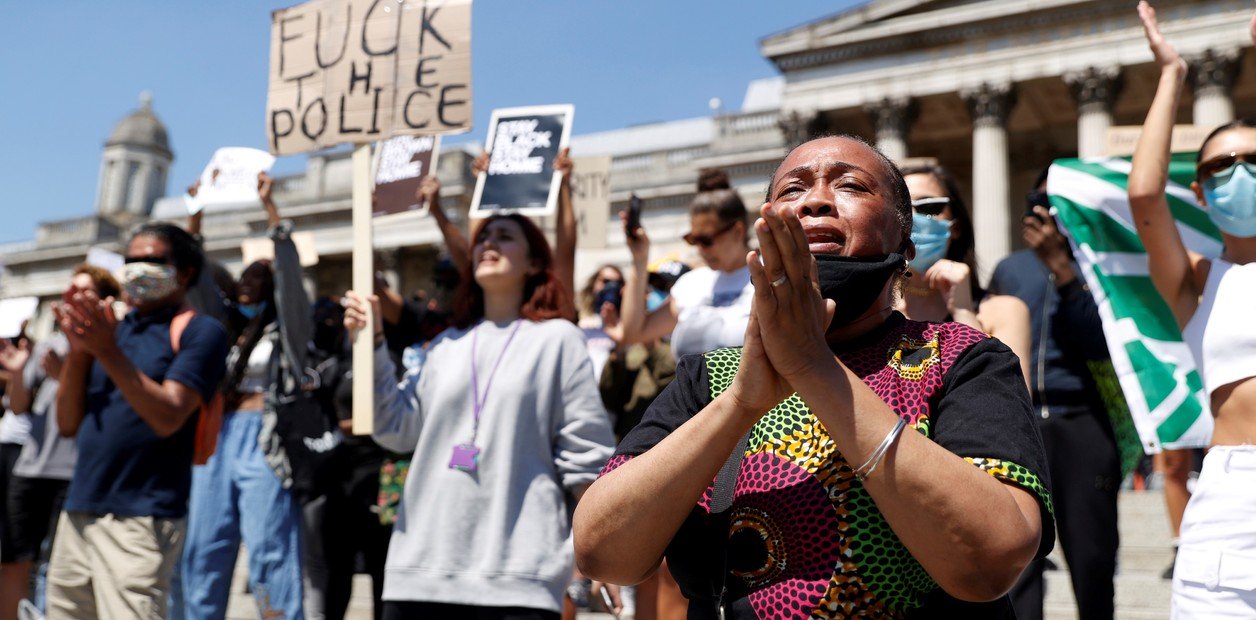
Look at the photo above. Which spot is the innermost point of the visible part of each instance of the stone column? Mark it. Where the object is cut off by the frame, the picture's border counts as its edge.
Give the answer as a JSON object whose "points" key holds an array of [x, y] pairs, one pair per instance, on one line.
{"points": [[1095, 90], [1213, 74], [798, 127], [989, 106], [893, 119]]}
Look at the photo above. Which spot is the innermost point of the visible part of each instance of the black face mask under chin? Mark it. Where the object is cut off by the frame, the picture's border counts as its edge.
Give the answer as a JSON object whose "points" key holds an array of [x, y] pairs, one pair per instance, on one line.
{"points": [[854, 283]]}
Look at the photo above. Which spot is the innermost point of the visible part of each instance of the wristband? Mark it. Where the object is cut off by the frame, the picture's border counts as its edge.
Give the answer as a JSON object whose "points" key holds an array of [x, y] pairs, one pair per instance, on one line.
{"points": [[863, 471]]}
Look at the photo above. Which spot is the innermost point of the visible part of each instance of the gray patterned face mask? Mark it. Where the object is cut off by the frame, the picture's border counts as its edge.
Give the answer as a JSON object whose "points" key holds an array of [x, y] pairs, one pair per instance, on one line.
{"points": [[148, 282]]}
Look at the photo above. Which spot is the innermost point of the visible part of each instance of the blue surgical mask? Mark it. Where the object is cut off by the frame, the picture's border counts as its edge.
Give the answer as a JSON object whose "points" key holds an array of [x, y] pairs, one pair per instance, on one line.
{"points": [[931, 236], [251, 310], [1231, 198], [655, 299]]}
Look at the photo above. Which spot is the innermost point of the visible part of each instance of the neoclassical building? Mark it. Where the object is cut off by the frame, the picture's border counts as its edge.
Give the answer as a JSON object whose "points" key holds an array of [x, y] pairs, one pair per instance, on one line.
{"points": [[995, 90], [992, 89]]}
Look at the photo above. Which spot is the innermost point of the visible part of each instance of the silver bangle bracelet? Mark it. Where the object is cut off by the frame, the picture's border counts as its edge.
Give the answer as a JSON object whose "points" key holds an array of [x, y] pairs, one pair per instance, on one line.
{"points": [[863, 471]]}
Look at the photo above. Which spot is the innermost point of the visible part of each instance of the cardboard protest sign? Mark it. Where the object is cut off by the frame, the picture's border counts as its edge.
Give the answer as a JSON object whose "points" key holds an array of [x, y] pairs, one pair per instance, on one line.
{"points": [[230, 177], [1120, 141], [522, 145], [591, 199], [253, 250], [14, 312], [357, 71], [400, 164]]}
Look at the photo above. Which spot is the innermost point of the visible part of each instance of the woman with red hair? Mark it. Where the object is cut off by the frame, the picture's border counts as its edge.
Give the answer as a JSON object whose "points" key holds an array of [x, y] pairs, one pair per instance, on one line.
{"points": [[506, 426]]}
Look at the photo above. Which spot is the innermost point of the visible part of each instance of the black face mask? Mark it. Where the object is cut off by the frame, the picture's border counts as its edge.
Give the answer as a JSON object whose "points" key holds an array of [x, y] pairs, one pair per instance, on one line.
{"points": [[855, 283]]}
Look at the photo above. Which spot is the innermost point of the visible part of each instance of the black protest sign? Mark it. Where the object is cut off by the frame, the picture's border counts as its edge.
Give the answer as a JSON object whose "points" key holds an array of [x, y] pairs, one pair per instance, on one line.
{"points": [[522, 143], [401, 164], [357, 71]]}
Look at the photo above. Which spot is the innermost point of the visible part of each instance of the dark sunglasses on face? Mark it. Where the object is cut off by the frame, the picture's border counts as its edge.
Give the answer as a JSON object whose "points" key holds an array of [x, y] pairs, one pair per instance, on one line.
{"points": [[933, 205], [156, 260], [706, 241], [1222, 165]]}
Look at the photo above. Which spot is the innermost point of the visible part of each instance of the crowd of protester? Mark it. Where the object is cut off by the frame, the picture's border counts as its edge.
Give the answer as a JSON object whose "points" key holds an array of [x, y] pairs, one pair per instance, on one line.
{"points": [[800, 423]]}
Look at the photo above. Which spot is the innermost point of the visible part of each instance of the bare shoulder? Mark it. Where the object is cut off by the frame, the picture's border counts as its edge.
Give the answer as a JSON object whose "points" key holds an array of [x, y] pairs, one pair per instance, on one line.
{"points": [[1002, 310]]}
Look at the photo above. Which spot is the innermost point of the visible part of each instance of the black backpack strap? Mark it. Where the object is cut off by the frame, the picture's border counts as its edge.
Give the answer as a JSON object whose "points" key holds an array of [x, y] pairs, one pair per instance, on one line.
{"points": [[726, 479]]}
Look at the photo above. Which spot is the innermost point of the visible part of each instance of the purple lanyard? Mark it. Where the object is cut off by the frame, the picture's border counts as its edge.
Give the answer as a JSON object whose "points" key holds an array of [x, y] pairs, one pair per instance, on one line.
{"points": [[477, 403]]}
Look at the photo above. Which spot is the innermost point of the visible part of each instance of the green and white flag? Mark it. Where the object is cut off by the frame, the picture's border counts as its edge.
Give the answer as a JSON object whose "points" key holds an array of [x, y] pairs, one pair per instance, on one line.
{"points": [[1156, 372]]}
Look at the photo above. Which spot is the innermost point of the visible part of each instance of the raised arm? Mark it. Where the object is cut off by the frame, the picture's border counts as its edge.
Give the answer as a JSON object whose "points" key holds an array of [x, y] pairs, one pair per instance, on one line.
{"points": [[565, 235], [455, 240], [292, 304], [636, 325], [195, 219], [1171, 266]]}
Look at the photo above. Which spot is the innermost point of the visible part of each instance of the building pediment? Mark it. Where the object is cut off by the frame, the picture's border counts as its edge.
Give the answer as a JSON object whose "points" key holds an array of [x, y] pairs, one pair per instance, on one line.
{"points": [[888, 27]]}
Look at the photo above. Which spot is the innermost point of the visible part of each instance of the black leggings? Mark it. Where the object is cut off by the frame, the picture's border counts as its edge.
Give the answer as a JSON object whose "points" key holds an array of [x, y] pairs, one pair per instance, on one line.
{"points": [[1085, 478], [412, 610]]}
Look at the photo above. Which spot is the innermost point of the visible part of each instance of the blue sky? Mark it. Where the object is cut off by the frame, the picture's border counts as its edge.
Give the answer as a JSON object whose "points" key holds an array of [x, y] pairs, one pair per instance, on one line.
{"points": [[73, 69]]}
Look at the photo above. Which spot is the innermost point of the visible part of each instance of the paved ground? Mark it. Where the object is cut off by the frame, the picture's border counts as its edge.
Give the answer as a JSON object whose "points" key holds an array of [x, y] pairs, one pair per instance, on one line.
{"points": [[1140, 593]]}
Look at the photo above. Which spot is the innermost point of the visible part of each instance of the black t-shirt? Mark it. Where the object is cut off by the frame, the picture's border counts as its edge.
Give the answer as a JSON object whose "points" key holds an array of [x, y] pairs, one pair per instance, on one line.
{"points": [[803, 538]]}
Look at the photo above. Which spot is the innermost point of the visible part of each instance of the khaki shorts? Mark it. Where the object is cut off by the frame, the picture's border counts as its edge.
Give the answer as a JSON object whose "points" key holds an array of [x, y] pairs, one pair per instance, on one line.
{"points": [[110, 567]]}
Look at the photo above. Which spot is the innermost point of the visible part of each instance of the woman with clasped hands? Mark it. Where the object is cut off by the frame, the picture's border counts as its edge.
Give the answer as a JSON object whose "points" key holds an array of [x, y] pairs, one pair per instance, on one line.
{"points": [[881, 466]]}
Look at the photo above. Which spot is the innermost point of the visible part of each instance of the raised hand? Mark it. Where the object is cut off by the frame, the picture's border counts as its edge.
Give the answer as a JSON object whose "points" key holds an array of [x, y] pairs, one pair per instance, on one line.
{"points": [[951, 279], [480, 164], [265, 187], [1166, 54], [13, 358], [638, 243], [563, 164], [429, 190]]}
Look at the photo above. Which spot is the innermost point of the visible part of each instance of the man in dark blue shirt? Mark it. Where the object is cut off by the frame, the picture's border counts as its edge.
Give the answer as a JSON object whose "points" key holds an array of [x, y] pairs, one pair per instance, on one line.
{"points": [[131, 399], [1068, 345]]}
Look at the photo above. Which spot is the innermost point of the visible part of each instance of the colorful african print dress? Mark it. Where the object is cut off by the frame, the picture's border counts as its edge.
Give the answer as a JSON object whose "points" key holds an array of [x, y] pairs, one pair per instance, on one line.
{"points": [[803, 539]]}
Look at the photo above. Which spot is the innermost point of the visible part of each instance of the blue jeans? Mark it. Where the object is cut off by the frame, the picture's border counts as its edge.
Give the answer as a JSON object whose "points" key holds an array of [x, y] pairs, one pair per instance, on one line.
{"points": [[235, 495]]}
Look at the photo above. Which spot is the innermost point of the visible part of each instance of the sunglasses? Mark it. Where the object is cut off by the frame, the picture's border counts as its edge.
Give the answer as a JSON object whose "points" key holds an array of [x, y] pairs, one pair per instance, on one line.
{"points": [[1223, 165], [931, 206], [706, 241], [156, 260]]}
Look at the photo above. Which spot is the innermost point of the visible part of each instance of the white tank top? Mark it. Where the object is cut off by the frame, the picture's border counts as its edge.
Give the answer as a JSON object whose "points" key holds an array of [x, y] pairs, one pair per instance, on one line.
{"points": [[712, 310], [1221, 334]]}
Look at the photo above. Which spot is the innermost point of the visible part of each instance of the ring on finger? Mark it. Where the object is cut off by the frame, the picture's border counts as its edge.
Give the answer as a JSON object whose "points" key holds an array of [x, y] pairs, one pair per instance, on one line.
{"points": [[779, 281]]}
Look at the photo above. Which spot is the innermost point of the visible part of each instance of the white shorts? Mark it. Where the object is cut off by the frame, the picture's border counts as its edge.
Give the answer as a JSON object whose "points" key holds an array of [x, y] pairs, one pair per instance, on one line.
{"points": [[1215, 573]]}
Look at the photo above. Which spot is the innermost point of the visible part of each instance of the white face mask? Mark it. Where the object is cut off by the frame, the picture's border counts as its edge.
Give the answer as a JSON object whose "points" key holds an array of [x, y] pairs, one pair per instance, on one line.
{"points": [[148, 282]]}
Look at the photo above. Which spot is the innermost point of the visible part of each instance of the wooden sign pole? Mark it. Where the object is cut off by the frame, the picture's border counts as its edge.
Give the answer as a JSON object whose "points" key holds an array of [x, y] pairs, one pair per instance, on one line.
{"points": [[364, 284]]}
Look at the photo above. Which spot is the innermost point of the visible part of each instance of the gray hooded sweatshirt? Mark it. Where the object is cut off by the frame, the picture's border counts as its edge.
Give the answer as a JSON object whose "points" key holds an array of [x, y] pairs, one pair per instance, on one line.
{"points": [[499, 536]]}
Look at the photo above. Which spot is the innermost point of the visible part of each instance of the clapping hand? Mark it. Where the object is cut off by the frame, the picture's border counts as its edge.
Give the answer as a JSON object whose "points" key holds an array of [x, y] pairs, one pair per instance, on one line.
{"points": [[88, 322]]}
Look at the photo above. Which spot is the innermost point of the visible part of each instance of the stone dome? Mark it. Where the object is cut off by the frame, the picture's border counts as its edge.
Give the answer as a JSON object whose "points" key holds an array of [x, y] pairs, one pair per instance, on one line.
{"points": [[142, 129]]}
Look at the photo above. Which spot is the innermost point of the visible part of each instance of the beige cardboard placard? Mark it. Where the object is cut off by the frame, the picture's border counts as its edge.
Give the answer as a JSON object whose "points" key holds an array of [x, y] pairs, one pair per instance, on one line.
{"points": [[358, 71], [253, 250], [591, 199], [1121, 140]]}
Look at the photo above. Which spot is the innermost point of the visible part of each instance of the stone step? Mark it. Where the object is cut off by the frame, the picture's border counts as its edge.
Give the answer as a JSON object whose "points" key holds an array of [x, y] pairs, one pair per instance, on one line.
{"points": [[1134, 592]]}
